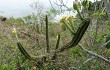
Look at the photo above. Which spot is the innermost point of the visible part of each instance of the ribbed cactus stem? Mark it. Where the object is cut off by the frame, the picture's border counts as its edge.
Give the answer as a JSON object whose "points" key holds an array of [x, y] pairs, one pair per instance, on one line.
{"points": [[69, 28], [47, 37], [57, 45], [79, 13], [58, 41], [25, 53], [76, 39]]}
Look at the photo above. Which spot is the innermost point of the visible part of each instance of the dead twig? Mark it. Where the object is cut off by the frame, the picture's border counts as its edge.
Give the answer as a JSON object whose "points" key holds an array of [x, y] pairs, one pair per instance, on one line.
{"points": [[105, 44], [94, 54]]}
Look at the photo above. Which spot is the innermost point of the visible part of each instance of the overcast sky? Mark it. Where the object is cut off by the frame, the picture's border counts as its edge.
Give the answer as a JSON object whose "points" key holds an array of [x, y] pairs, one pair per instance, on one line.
{"points": [[19, 8]]}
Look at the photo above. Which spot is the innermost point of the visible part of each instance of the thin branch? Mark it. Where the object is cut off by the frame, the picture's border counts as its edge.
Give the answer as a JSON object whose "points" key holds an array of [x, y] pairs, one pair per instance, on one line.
{"points": [[51, 4], [88, 60], [105, 44], [94, 54], [63, 5]]}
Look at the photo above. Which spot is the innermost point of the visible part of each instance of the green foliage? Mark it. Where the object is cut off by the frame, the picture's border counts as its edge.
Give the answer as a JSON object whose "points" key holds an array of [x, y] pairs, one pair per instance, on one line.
{"points": [[101, 15], [100, 38], [85, 3], [54, 11], [107, 39], [6, 67], [75, 52]]}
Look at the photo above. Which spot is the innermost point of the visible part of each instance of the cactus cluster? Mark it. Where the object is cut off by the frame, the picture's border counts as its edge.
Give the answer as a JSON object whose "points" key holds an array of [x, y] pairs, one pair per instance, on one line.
{"points": [[40, 61]]}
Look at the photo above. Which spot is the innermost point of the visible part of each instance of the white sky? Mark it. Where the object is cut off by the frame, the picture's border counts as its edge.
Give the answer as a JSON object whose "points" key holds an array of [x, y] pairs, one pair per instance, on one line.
{"points": [[15, 8], [19, 8]]}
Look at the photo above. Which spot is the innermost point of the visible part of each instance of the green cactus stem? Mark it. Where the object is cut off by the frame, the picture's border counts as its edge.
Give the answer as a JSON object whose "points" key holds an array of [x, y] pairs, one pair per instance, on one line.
{"points": [[58, 41], [75, 6], [79, 34], [47, 37], [63, 20], [70, 19]]}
